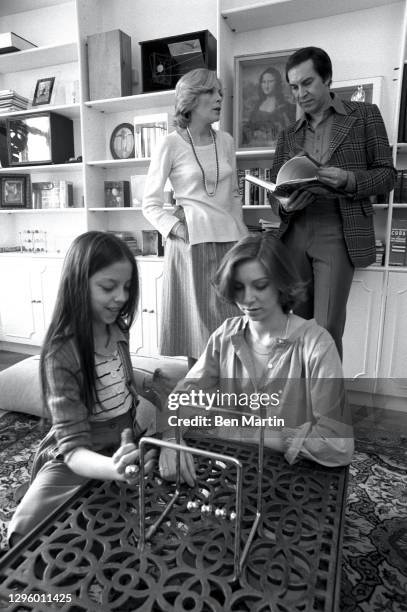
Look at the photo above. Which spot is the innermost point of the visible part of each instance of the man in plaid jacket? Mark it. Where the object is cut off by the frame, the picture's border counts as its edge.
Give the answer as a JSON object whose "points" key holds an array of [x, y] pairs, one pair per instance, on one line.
{"points": [[331, 233]]}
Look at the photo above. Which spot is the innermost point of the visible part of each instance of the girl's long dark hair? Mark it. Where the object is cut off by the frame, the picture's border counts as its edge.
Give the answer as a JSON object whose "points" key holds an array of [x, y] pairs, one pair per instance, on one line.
{"points": [[72, 316]]}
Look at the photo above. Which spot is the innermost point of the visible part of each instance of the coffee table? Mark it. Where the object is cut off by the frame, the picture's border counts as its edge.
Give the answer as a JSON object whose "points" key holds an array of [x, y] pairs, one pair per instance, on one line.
{"points": [[86, 558]]}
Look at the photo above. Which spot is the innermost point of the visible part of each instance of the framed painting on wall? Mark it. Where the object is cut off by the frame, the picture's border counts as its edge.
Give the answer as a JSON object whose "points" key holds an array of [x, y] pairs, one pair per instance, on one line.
{"points": [[263, 104]]}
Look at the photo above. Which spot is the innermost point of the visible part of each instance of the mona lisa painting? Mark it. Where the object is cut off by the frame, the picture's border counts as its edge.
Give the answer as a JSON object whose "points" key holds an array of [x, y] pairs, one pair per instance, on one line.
{"points": [[262, 102]]}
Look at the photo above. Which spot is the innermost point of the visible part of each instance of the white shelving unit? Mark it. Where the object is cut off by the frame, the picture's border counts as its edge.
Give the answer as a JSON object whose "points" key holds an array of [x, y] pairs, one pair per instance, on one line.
{"points": [[61, 52], [248, 16]]}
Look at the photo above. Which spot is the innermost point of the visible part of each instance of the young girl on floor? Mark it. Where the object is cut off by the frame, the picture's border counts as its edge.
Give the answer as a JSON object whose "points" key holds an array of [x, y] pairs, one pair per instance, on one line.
{"points": [[269, 350], [87, 379]]}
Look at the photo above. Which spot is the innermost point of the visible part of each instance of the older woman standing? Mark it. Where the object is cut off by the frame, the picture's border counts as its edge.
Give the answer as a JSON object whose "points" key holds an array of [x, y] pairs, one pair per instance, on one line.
{"points": [[200, 163]]}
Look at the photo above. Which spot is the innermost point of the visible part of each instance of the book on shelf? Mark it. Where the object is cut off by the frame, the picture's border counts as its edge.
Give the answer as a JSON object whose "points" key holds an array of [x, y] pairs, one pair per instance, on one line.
{"points": [[252, 194], [10, 42], [402, 129], [398, 242], [380, 251], [241, 182], [403, 189], [117, 194], [299, 172], [398, 186], [52, 194], [149, 130], [252, 191]]}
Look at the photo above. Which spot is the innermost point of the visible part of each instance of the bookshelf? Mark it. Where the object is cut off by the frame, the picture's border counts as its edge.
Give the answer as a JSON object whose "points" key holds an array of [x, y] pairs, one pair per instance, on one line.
{"points": [[61, 52]]}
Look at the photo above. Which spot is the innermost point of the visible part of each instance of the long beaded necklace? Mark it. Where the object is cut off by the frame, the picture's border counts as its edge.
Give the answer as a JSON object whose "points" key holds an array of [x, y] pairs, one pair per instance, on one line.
{"points": [[209, 193]]}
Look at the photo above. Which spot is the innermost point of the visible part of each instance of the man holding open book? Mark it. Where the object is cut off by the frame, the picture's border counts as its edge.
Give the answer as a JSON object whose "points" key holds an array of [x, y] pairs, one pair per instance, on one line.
{"points": [[330, 232]]}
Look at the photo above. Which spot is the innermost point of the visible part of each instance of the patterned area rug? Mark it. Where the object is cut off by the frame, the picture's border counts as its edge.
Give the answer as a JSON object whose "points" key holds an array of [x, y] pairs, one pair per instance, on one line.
{"points": [[19, 438], [374, 572]]}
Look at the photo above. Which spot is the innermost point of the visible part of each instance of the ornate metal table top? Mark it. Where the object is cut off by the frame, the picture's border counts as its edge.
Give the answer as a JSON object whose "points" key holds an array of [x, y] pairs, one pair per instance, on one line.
{"points": [[89, 548]]}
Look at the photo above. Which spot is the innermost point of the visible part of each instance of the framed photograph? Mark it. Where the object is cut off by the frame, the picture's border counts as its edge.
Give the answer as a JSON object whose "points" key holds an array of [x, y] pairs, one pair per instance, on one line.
{"points": [[15, 191], [43, 91], [122, 141], [263, 103], [360, 90], [117, 194]]}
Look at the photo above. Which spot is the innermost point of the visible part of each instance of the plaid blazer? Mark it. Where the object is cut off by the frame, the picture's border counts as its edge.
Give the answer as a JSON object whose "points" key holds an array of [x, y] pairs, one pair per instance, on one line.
{"points": [[358, 143]]}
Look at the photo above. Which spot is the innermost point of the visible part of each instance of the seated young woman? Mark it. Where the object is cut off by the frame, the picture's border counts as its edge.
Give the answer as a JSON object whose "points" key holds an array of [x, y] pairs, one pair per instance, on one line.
{"points": [[267, 350]]}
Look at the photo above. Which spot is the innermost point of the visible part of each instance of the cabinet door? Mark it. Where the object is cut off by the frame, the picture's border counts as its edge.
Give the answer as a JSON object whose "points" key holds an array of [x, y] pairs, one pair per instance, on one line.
{"points": [[46, 275], [18, 312], [29, 288], [362, 330], [392, 380], [144, 335]]}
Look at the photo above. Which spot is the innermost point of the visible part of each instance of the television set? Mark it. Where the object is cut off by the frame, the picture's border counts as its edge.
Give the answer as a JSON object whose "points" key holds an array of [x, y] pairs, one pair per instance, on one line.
{"points": [[40, 138]]}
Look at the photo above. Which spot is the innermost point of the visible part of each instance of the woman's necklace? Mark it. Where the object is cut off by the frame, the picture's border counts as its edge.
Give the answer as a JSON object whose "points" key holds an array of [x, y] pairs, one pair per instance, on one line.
{"points": [[269, 351], [209, 193]]}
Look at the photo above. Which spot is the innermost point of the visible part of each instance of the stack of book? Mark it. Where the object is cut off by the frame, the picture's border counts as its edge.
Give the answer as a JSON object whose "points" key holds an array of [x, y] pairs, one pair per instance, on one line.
{"points": [[129, 239], [11, 101]]}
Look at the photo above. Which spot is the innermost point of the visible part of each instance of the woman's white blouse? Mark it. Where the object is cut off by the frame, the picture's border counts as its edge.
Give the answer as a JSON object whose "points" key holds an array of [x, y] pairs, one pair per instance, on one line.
{"points": [[209, 219]]}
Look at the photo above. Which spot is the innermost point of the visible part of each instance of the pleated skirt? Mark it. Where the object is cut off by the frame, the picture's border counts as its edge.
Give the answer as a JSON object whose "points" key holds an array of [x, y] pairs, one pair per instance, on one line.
{"points": [[191, 310]]}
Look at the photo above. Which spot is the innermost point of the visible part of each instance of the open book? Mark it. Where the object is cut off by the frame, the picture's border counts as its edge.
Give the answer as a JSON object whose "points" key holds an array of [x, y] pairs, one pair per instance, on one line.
{"points": [[299, 172]]}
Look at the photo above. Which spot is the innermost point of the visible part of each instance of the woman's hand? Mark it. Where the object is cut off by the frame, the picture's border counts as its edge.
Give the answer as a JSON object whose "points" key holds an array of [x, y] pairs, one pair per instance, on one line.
{"points": [[168, 466], [129, 455], [180, 231]]}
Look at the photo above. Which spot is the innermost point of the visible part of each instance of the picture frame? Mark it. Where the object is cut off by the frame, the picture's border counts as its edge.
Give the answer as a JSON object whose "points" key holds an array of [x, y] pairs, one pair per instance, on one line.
{"points": [[43, 91], [15, 191], [263, 103], [371, 86], [122, 141]]}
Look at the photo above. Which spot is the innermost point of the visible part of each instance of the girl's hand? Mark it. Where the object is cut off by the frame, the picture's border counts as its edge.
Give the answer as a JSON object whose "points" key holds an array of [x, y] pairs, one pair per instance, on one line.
{"points": [[162, 383], [128, 454], [168, 466]]}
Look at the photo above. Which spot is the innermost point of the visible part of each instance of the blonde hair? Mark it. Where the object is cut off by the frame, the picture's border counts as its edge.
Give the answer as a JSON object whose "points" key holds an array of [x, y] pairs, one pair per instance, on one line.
{"points": [[187, 91]]}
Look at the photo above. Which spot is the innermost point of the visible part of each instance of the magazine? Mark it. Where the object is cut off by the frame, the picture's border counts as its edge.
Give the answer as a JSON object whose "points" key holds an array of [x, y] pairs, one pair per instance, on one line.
{"points": [[299, 172]]}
